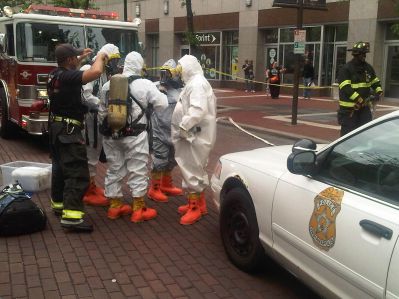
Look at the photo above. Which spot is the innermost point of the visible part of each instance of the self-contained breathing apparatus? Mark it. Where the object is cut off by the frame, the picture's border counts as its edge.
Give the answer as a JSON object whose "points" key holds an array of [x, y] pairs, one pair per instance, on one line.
{"points": [[118, 122]]}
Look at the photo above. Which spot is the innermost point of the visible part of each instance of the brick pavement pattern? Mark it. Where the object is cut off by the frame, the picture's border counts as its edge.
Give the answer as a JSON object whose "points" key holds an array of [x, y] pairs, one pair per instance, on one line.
{"points": [[155, 259], [159, 258]]}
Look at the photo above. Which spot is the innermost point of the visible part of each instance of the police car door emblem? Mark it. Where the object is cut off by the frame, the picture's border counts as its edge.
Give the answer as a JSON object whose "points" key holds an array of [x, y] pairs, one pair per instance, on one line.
{"points": [[327, 205]]}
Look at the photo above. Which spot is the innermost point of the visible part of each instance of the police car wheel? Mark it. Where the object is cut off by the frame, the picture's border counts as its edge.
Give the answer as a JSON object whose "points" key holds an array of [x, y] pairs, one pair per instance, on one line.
{"points": [[239, 231]]}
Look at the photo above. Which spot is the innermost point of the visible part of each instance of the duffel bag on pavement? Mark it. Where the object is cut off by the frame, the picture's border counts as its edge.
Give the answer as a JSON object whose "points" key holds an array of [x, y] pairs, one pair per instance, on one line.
{"points": [[18, 213]]}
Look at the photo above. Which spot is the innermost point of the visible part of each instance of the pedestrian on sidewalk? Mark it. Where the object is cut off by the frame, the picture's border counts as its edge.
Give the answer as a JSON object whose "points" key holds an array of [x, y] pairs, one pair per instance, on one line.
{"points": [[194, 135], [308, 77], [163, 153], [90, 97], [246, 69], [70, 171], [356, 79], [251, 76], [127, 150], [274, 75]]}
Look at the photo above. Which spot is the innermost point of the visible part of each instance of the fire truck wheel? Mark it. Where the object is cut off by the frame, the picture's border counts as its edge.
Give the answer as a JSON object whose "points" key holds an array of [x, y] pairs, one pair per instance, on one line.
{"points": [[5, 125]]}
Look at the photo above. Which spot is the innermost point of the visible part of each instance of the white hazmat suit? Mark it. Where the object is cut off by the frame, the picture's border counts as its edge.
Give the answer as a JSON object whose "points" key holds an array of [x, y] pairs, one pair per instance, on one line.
{"points": [[90, 98], [194, 135], [128, 155]]}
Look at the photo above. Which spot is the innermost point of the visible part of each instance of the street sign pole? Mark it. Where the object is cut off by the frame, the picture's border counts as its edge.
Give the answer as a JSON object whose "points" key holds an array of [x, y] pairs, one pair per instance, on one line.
{"points": [[125, 10], [297, 67]]}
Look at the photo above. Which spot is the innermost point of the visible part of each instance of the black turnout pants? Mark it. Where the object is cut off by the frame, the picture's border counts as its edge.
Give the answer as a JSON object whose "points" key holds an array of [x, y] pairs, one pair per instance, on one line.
{"points": [[350, 119], [70, 172]]}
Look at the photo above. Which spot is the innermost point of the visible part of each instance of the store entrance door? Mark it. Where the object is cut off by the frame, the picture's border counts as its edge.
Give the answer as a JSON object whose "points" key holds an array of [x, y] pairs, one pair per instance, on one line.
{"points": [[392, 71], [339, 61]]}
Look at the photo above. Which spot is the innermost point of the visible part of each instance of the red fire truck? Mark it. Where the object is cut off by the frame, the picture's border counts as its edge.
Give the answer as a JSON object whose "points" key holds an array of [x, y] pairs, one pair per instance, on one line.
{"points": [[27, 45]]}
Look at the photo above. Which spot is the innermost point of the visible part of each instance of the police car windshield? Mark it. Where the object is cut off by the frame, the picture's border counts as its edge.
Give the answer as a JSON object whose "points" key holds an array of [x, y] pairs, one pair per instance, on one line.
{"points": [[37, 41]]}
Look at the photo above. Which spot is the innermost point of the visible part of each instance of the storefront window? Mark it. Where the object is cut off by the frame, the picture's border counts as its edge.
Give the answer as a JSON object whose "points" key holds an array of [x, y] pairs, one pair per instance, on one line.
{"points": [[209, 60], [341, 33], [230, 55], [313, 34], [392, 32], [271, 36], [154, 48], [287, 35]]}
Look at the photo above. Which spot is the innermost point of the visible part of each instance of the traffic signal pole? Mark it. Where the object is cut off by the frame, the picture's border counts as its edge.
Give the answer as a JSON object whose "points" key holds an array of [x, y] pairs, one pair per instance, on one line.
{"points": [[295, 92]]}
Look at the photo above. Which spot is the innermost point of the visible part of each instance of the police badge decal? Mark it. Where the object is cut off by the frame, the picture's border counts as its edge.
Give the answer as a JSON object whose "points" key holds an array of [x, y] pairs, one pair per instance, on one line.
{"points": [[327, 205]]}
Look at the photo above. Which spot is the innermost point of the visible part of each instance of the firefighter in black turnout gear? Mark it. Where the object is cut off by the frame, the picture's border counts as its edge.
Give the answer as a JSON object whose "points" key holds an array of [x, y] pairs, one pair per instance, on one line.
{"points": [[356, 81], [70, 172]]}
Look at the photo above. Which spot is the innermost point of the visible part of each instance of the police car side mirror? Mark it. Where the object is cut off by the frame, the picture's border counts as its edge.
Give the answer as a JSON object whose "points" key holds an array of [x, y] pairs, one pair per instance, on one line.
{"points": [[302, 162]]}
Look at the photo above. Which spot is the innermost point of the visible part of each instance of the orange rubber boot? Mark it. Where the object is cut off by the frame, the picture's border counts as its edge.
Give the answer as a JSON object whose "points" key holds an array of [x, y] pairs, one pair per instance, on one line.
{"points": [[155, 192], [202, 204], [117, 209], [167, 185], [141, 212], [193, 213], [94, 195]]}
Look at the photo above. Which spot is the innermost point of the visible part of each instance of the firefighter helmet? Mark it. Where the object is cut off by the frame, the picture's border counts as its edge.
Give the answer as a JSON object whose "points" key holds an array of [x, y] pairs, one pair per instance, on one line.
{"points": [[360, 48]]}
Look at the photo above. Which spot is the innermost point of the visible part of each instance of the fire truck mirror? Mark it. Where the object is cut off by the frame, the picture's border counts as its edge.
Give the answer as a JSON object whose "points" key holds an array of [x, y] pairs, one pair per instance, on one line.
{"points": [[2, 42]]}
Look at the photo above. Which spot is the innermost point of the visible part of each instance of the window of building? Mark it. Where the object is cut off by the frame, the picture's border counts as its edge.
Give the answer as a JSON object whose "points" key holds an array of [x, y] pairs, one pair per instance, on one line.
{"points": [[153, 41], [271, 36], [392, 31], [286, 51], [230, 55], [334, 52]]}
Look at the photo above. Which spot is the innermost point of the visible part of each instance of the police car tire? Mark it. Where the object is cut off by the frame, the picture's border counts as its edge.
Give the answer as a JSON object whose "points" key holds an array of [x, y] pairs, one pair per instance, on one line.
{"points": [[240, 232], [5, 125]]}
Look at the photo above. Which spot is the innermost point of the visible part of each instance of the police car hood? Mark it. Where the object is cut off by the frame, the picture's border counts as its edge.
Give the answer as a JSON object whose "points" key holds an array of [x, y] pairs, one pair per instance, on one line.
{"points": [[133, 64], [271, 159], [190, 67]]}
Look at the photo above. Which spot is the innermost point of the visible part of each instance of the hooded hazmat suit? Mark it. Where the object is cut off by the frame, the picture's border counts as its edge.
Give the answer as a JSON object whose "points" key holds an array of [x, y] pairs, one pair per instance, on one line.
{"points": [[128, 155], [90, 98], [163, 154], [194, 134]]}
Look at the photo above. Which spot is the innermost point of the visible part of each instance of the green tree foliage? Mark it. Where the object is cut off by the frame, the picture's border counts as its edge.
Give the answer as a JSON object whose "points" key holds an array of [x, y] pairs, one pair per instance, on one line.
{"points": [[84, 4], [395, 27]]}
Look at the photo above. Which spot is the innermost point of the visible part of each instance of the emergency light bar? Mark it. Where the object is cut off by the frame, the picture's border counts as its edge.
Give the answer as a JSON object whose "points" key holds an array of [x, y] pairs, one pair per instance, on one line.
{"points": [[71, 12]]}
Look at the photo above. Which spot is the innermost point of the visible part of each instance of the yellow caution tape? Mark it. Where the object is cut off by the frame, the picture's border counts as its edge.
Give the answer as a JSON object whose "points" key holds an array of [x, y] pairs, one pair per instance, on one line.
{"points": [[301, 86]]}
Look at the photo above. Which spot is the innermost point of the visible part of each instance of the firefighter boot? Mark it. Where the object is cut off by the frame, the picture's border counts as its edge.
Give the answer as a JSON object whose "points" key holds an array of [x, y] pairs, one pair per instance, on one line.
{"points": [[117, 208], [155, 192], [140, 211], [202, 204], [94, 195], [193, 213], [167, 185]]}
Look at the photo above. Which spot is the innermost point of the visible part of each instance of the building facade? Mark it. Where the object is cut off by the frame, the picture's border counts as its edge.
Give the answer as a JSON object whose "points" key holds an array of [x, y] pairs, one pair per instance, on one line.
{"points": [[231, 31]]}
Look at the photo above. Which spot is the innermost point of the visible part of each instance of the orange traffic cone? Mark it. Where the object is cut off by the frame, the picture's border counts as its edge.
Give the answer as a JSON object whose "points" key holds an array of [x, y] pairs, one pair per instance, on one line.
{"points": [[94, 195], [167, 184], [141, 212], [193, 213], [202, 205], [155, 192], [117, 209]]}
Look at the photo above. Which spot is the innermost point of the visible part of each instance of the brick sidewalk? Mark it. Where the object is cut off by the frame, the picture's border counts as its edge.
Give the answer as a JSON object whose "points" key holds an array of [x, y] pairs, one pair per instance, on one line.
{"points": [[160, 258], [155, 259], [316, 118]]}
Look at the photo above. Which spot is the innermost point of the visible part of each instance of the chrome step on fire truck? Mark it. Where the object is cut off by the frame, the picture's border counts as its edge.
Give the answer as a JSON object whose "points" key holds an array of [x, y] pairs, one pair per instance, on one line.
{"points": [[27, 46]]}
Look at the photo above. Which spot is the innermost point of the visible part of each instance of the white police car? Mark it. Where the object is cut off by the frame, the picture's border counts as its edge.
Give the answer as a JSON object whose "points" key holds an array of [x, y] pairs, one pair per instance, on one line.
{"points": [[329, 216]]}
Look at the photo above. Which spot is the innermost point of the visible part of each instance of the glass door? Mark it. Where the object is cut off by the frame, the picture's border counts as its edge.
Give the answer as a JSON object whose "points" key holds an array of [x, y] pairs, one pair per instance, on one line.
{"points": [[339, 61], [391, 89]]}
